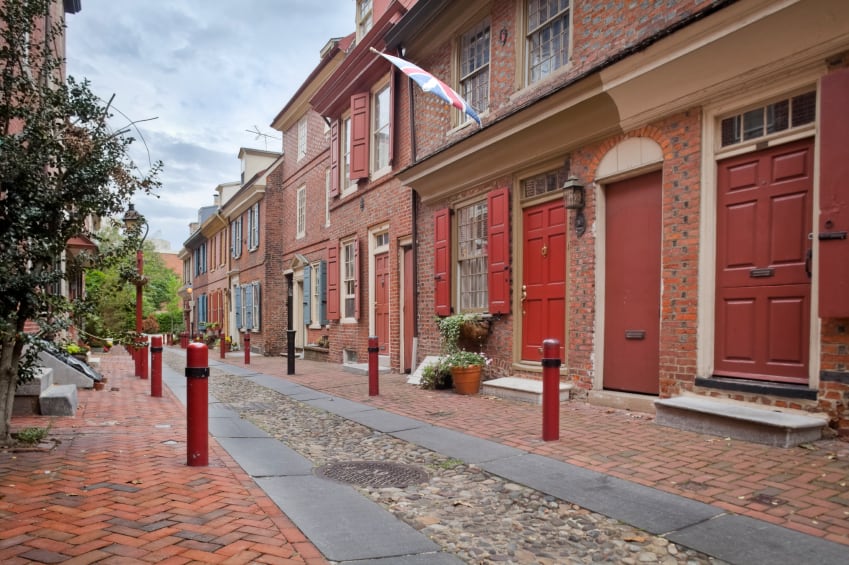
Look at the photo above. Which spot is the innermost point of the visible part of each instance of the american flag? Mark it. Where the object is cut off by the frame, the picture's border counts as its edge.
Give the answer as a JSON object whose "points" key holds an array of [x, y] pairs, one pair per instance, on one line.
{"points": [[430, 83]]}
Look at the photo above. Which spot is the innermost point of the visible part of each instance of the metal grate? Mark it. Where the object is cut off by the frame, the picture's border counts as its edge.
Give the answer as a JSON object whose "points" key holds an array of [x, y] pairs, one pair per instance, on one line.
{"points": [[373, 473]]}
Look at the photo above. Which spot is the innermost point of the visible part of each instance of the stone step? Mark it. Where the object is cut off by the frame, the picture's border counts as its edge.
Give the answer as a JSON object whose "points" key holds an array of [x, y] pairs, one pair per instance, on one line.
{"points": [[736, 420], [58, 400], [522, 390], [26, 401]]}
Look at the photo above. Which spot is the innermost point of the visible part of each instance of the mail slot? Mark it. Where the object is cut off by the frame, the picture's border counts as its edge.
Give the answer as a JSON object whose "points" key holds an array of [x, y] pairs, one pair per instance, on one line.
{"points": [[635, 334], [761, 273]]}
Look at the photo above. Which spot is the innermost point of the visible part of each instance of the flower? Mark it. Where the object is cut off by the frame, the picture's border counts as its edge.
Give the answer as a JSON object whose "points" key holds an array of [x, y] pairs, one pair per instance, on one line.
{"points": [[463, 358]]}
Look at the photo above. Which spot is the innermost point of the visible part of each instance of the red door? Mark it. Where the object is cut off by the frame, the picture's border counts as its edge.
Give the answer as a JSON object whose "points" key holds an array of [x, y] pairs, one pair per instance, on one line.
{"points": [[763, 264], [632, 284], [381, 300], [409, 301], [544, 285]]}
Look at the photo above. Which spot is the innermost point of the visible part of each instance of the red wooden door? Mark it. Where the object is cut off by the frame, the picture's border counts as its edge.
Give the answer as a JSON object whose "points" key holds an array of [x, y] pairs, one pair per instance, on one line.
{"points": [[544, 284], [763, 264], [632, 284], [381, 300], [409, 301]]}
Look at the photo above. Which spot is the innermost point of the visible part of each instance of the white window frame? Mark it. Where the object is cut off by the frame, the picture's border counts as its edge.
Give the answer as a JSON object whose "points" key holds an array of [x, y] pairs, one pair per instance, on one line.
{"points": [[302, 137], [236, 237], [471, 43], [348, 186], [549, 64], [472, 264], [302, 212], [379, 128], [256, 303], [315, 298], [253, 227], [365, 19], [347, 281], [327, 197]]}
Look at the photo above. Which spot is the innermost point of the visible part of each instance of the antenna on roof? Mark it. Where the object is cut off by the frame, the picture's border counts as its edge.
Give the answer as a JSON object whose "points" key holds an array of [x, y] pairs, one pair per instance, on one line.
{"points": [[264, 136]]}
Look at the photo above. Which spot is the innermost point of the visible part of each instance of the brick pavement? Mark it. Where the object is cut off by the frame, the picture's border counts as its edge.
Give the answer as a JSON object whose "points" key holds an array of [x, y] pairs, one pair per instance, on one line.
{"points": [[803, 488], [116, 489]]}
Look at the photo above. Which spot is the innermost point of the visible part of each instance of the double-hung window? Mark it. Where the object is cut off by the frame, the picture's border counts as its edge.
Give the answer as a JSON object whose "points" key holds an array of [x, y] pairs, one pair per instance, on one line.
{"points": [[474, 68], [236, 237], [380, 130], [253, 227], [302, 137], [364, 17], [302, 212], [547, 37], [472, 256], [342, 282]]}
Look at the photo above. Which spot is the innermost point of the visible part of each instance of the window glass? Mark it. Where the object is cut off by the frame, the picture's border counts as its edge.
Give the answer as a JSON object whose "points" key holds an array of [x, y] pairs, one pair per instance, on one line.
{"points": [[302, 211], [474, 67], [771, 118], [345, 164], [547, 37], [380, 129], [348, 279], [472, 256], [364, 17], [302, 138]]}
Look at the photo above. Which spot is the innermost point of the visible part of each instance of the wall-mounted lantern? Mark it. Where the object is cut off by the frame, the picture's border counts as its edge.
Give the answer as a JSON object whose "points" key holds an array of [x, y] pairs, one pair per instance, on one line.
{"points": [[573, 199]]}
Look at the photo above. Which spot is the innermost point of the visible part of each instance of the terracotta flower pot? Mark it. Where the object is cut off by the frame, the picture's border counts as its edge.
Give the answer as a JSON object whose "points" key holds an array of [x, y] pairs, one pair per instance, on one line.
{"points": [[467, 380]]}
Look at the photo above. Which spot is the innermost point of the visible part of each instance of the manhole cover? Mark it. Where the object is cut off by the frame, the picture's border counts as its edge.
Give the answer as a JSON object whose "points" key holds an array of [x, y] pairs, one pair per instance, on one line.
{"points": [[373, 473]]}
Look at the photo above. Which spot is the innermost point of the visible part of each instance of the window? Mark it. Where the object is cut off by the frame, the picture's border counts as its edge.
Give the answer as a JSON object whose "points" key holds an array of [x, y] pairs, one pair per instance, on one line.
{"points": [[547, 37], [200, 259], [302, 138], [349, 280], [247, 306], [765, 120], [364, 17], [380, 130], [471, 256], [236, 237], [474, 68], [302, 212], [253, 227], [315, 307], [482, 264], [345, 162]]}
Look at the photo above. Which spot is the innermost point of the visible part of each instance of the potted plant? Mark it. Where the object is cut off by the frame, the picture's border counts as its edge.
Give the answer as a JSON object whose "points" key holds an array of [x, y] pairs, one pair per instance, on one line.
{"points": [[466, 368], [436, 376]]}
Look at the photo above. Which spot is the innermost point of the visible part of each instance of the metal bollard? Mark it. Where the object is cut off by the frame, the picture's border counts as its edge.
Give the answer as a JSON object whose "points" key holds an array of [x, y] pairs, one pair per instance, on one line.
{"points": [[550, 390], [156, 366], [143, 359], [247, 347], [197, 407], [373, 384]]}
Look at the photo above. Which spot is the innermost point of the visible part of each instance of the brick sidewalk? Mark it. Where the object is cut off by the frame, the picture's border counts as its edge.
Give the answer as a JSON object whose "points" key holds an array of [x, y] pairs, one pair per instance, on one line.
{"points": [[116, 489], [803, 488]]}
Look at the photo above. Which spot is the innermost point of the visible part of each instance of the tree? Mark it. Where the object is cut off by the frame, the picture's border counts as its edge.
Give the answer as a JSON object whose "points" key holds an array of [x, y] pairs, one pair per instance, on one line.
{"points": [[60, 164]]}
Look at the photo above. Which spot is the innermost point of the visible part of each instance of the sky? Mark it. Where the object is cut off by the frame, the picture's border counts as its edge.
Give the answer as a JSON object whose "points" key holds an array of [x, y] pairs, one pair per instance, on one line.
{"points": [[198, 77]]}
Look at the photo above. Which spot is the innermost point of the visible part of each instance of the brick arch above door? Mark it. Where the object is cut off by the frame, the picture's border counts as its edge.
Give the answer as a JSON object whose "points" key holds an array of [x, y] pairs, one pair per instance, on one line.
{"points": [[629, 156]]}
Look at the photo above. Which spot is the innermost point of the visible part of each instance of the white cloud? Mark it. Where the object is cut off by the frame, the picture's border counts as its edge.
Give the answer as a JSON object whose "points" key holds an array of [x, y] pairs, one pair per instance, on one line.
{"points": [[207, 70]]}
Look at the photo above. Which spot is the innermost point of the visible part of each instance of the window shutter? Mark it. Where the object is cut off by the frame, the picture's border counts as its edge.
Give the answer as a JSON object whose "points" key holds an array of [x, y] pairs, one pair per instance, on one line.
{"points": [[307, 295], [359, 135], [498, 243], [257, 307], [442, 262], [249, 307], [237, 295], [322, 293], [333, 282], [356, 279], [334, 158]]}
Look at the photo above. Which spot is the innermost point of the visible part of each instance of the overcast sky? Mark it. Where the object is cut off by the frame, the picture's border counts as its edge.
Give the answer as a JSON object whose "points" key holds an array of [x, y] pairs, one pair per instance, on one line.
{"points": [[207, 70]]}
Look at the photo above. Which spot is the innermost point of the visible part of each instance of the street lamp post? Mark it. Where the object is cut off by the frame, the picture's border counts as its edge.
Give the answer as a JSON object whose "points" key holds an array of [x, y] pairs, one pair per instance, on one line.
{"points": [[133, 218]]}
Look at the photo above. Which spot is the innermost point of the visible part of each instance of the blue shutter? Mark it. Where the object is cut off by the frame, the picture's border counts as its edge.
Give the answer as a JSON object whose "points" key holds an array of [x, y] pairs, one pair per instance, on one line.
{"points": [[249, 307], [307, 295], [322, 293], [258, 307], [237, 293]]}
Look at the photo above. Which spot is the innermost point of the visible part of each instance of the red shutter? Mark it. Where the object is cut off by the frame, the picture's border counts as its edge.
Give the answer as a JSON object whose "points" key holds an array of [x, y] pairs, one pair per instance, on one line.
{"points": [[442, 261], [359, 135], [332, 282], [356, 279], [834, 196], [334, 158], [498, 244]]}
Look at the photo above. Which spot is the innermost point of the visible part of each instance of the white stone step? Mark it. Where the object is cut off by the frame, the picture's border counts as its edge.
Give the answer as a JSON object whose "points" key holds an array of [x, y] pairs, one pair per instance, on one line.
{"points": [[523, 390], [59, 400], [747, 422]]}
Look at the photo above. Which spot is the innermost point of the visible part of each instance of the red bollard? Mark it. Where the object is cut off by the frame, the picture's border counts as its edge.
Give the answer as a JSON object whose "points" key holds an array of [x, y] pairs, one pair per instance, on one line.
{"points": [[550, 390], [247, 347], [373, 385], [156, 366], [143, 359], [197, 405]]}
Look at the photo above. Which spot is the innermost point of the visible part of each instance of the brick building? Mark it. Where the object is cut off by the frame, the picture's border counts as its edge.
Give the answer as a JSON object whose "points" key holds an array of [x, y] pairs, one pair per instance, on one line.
{"points": [[707, 139]]}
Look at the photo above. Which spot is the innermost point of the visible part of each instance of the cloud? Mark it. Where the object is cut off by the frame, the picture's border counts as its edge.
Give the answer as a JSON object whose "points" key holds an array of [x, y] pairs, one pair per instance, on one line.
{"points": [[207, 71]]}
